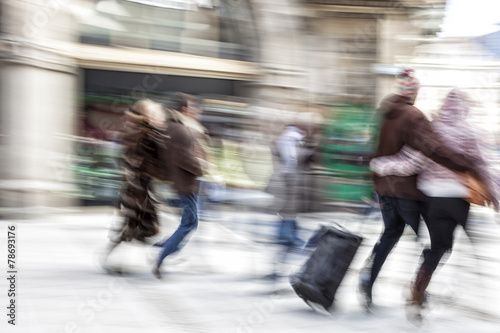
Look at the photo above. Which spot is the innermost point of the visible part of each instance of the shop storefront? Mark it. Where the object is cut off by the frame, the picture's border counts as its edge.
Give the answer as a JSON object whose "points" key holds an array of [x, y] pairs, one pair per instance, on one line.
{"points": [[72, 67], [107, 94], [69, 69]]}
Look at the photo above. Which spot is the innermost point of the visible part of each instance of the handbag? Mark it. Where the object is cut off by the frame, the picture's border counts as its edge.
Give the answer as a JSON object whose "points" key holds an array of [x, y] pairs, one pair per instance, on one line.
{"points": [[479, 194]]}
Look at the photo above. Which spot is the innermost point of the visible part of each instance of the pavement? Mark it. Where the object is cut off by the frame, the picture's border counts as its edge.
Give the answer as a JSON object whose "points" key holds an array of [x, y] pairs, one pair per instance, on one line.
{"points": [[217, 283]]}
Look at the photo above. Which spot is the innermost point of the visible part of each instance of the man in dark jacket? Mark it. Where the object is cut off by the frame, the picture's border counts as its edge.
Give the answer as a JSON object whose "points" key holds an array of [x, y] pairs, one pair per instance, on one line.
{"points": [[182, 168], [400, 200]]}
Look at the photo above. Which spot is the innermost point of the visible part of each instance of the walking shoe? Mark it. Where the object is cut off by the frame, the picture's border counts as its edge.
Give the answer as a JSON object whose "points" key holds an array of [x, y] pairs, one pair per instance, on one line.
{"points": [[158, 244], [273, 276], [152, 254], [318, 308], [365, 291], [414, 307], [156, 271], [414, 313]]}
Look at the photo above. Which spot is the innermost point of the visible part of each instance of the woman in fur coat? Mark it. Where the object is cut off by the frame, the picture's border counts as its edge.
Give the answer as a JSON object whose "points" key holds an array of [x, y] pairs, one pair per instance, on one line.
{"points": [[142, 134]]}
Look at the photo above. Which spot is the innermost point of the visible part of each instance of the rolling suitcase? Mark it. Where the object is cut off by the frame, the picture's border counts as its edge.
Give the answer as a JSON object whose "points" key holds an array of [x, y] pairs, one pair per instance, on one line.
{"points": [[322, 273]]}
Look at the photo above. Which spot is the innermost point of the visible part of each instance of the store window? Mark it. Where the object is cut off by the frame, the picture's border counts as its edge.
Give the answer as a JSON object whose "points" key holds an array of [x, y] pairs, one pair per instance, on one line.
{"points": [[213, 28], [107, 94]]}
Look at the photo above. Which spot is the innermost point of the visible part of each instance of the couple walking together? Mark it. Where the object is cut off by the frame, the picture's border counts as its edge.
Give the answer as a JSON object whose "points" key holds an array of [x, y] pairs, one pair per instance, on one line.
{"points": [[420, 170], [159, 144]]}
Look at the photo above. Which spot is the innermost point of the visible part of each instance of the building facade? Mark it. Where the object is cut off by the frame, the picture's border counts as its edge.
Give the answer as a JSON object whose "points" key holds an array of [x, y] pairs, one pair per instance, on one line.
{"points": [[66, 62]]}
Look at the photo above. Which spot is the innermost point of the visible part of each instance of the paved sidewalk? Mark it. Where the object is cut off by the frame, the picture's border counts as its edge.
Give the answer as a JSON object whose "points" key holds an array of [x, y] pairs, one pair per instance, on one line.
{"points": [[216, 284]]}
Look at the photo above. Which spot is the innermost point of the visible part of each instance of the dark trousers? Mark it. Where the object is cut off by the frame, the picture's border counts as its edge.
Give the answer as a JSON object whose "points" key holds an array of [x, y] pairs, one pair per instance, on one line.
{"points": [[397, 213], [287, 231], [290, 196], [444, 215]]}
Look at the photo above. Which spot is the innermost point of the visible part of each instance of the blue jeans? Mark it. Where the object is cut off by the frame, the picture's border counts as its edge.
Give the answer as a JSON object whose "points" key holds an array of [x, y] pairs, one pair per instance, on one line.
{"points": [[397, 213], [189, 222], [287, 234]]}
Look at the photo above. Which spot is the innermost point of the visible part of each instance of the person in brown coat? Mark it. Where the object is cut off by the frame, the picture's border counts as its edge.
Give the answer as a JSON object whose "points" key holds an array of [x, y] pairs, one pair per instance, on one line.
{"points": [[400, 201], [182, 167], [449, 196], [141, 137]]}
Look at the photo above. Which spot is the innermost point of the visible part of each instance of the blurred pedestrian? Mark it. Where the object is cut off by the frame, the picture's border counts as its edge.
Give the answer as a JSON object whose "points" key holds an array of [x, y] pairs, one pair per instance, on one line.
{"points": [[288, 146], [183, 167], [446, 206], [191, 118], [142, 135], [307, 157], [400, 200]]}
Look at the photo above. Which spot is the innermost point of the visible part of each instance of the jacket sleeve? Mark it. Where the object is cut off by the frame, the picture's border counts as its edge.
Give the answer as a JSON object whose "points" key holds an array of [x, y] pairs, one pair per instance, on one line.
{"points": [[406, 162], [183, 153], [421, 136]]}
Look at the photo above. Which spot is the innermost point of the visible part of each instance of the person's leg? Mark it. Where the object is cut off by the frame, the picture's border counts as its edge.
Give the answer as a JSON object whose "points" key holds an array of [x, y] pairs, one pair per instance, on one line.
{"points": [[287, 232], [204, 187], [115, 235], [103, 260], [286, 235], [410, 211], [189, 222], [441, 227], [444, 215], [441, 234], [395, 216], [393, 229]]}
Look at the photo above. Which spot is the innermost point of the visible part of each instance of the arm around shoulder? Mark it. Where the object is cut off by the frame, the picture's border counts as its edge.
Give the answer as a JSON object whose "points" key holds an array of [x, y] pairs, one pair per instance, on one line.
{"points": [[421, 136]]}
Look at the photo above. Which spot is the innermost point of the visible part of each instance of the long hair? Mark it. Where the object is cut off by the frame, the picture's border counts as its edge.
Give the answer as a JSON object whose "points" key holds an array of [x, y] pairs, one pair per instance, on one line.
{"points": [[151, 110]]}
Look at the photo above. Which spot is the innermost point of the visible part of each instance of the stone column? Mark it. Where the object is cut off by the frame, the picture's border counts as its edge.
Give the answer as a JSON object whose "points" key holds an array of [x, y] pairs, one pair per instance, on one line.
{"points": [[282, 58], [38, 103]]}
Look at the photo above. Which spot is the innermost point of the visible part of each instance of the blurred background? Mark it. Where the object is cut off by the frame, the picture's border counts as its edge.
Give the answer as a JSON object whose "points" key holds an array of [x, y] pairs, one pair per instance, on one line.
{"points": [[69, 69]]}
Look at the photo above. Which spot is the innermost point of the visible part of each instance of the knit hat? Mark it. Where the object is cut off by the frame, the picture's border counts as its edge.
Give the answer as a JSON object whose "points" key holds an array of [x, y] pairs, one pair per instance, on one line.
{"points": [[407, 83]]}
